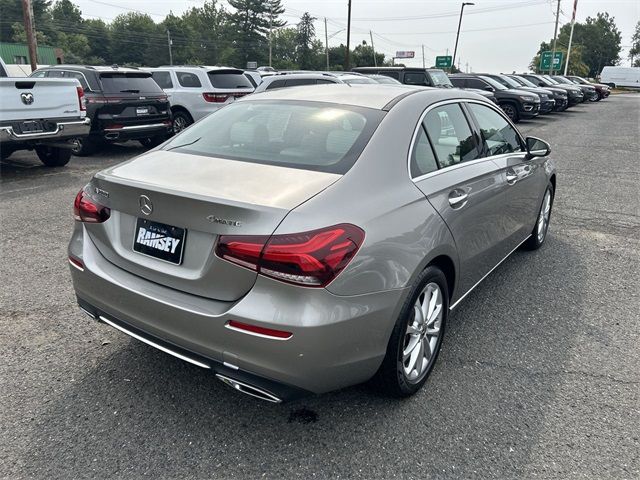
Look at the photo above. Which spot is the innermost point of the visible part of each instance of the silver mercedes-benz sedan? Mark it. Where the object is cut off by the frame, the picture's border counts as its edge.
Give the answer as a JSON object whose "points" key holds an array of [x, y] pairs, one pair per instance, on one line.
{"points": [[311, 238]]}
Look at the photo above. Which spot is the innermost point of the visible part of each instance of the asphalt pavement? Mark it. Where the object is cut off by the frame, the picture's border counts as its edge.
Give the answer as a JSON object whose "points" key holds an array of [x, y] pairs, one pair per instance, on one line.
{"points": [[539, 376]]}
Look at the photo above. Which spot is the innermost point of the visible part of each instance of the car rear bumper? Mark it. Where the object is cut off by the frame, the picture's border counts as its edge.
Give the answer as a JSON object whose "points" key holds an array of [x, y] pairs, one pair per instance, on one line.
{"points": [[336, 341], [134, 132], [62, 130]]}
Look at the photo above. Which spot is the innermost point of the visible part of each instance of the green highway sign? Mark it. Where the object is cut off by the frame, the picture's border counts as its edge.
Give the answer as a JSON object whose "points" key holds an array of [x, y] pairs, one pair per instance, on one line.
{"points": [[443, 62], [545, 61]]}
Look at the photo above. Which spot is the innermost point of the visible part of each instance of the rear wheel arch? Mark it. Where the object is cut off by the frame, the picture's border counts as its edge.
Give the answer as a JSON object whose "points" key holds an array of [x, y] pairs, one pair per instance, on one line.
{"points": [[445, 264], [179, 108]]}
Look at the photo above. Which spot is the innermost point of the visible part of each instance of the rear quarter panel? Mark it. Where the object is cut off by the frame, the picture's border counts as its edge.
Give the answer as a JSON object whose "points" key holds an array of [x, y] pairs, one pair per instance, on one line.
{"points": [[403, 232]]}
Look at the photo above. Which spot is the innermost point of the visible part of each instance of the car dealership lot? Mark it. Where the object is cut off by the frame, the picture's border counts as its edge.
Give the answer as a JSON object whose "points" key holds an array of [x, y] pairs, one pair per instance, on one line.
{"points": [[539, 373]]}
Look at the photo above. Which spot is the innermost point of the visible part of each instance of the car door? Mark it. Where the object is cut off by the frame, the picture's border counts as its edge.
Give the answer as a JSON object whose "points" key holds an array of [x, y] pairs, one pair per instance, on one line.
{"points": [[525, 179], [465, 188], [188, 94]]}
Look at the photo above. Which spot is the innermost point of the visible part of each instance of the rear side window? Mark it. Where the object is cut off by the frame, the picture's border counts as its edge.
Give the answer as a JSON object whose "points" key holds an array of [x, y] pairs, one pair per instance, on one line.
{"points": [[229, 79], [499, 136], [395, 75], [79, 77], [477, 83], [295, 82], [322, 81], [188, 80], [163, 79], [458, 82], [120, 82], [415, 78], [275, 84], [450, 135], [423, 160], [306, 135]]}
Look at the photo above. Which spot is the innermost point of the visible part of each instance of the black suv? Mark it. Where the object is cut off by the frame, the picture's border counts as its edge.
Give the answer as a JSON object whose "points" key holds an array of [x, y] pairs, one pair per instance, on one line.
{"points": [[547, 103], [517, 104], [122, 103], [574, 93], [423, 77], [560, 95]]}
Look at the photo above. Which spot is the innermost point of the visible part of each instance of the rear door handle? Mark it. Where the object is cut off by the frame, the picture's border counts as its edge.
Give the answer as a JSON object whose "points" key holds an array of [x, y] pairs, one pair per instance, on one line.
{"points": [[512, 177], [457, 198]]}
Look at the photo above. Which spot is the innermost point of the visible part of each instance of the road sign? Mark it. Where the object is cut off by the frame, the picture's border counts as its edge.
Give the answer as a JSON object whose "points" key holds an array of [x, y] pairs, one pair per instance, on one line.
{"points": [[252, 65], [405, 54], [443, 61], [545, 61]]}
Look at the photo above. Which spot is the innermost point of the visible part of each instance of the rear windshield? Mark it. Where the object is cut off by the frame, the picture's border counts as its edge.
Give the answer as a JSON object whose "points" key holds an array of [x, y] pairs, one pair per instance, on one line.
{"points": [[229, 79], [120, 82], [307, 135]]}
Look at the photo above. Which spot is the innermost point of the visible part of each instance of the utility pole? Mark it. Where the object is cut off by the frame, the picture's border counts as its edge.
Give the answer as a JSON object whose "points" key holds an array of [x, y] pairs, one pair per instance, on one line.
{"points": [[347, 66], [170, 42], [573, 22], [27, 13], [326, 42], [455, 49], [423, 65], [375, 60], [555, 37], [270, 32]]}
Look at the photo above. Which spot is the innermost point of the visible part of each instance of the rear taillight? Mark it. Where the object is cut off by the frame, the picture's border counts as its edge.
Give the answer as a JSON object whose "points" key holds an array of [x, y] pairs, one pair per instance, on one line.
{"points": [[312, 258], [215, 97], [88, 211], [81, 100]]}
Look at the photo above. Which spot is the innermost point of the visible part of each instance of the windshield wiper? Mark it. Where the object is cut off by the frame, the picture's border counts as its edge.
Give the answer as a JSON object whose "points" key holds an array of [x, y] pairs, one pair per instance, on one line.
{"points": [[130, 91], [184, 144]]}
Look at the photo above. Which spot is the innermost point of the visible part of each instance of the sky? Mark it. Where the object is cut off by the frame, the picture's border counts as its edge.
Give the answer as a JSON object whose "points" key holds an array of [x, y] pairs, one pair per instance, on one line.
{"points": [[496, 35]]}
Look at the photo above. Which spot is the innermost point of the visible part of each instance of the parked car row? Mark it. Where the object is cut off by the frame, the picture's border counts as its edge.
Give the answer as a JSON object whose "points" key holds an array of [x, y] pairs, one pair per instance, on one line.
{"points": [[151, 104]]}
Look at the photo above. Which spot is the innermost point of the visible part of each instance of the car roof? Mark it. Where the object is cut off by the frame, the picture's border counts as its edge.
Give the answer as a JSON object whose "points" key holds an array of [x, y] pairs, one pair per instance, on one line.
{"points": [[369, 96], [294, 76], [413, 69], [94, 68]]}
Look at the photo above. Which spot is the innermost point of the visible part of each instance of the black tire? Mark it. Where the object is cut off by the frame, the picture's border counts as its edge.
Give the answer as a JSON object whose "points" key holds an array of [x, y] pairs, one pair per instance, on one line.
{"points": [[181, 120], [53, 156], [84, 146], [535, 241], [511, 110], [5, 152], [391, 377], [152, 142]]}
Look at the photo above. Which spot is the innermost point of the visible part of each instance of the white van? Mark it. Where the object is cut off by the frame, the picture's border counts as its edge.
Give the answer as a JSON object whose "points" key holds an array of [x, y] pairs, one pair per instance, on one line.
{"points": [[621, 76]]}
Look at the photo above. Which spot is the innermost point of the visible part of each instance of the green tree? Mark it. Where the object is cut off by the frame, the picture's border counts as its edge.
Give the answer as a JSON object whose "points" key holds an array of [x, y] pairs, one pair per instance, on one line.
{"points": [[634, 51], [99, 38], [284, 43], [597, 39], [250, 24], [11, 13], [133, 39], [305, 36], [210, 32]]}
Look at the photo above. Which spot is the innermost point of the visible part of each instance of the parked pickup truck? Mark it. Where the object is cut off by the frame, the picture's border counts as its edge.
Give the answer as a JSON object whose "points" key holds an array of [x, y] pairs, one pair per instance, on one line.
{"points": [[41, 114]]}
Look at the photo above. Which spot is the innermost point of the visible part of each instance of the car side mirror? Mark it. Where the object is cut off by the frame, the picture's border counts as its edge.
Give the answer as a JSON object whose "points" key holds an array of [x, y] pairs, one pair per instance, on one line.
{"points": [[537, 148], [489, 88]]}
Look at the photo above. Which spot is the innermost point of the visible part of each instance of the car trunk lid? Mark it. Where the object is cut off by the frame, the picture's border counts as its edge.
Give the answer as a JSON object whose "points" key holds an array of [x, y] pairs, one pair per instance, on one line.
{"points": [[203, 196]]}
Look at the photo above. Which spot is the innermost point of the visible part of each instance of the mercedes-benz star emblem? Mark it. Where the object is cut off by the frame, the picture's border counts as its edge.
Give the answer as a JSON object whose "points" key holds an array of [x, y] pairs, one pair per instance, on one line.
{"points": [[27, 98], [146, 206]]}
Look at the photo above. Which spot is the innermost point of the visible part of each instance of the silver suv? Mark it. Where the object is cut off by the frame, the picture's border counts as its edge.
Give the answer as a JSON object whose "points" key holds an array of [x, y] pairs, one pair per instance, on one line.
{"points": [[196, 91]]}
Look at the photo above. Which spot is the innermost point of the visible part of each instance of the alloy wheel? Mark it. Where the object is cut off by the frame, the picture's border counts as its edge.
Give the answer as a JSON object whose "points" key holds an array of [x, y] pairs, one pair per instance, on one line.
{"points": [[543, 218], [423, 333], [510, 111], [179, 124]]}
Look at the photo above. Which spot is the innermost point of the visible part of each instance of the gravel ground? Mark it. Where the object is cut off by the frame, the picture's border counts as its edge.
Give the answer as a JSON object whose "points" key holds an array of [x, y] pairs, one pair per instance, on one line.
{"points": [[539, 374]]}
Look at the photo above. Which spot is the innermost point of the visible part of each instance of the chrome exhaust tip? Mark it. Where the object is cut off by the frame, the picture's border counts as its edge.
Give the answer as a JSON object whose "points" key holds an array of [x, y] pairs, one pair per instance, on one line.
{"points": [[112, 136], [249, 389]]}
